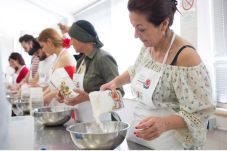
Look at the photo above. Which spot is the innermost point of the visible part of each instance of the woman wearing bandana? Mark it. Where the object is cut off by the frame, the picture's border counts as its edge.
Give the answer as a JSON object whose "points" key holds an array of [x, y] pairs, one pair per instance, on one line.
{"points": [[94, 68]]}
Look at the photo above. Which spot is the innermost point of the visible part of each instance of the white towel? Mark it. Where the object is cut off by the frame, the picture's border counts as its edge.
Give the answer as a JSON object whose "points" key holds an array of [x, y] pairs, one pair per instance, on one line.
{"points": [[25, 92]]}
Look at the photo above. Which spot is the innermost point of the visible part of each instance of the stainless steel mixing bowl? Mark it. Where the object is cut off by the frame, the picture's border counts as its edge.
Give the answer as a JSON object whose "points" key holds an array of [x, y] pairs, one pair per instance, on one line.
{"points": [[12, 93], [23, 105], [12, 99], [90, 136], [53, 116]]}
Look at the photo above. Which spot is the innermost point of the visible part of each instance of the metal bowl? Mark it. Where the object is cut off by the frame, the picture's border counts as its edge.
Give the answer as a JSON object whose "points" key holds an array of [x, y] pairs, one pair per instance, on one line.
{"points": [[90, 136], [53, 116], [12, 99], [12, 93], [47, 136], [23, 105]]}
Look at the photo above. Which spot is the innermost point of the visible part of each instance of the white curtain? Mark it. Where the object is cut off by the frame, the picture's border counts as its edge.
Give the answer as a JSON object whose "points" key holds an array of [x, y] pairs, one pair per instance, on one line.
{"points": [[219, 37]]}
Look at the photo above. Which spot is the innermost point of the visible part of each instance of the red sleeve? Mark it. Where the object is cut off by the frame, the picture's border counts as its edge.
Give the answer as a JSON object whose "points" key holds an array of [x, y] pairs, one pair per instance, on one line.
{"points": [[22, 74], [70, 70]]}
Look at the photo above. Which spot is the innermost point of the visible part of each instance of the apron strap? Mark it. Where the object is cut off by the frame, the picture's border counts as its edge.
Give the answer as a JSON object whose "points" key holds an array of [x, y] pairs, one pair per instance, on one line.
{"points": [[55, 62], [80, 66], [142, 59], [167, 53], [165, 58]]}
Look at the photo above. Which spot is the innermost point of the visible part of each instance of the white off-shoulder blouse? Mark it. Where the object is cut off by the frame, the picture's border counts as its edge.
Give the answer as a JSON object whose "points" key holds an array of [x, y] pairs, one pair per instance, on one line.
{"points": [[188, 91]]}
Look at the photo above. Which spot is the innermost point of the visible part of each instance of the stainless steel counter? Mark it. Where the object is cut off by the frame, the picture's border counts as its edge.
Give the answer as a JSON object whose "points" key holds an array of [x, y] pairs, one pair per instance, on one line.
{"points": [[57, 138]]}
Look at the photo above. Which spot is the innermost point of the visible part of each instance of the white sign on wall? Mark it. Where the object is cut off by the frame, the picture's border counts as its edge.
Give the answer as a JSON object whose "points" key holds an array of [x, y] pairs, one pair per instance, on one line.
{"points": [[188, 11]]}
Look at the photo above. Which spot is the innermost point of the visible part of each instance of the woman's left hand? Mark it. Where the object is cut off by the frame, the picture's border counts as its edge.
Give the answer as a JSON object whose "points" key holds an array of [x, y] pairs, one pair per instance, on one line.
{"points": [[151, 128], [12, 88], [82, 97]]}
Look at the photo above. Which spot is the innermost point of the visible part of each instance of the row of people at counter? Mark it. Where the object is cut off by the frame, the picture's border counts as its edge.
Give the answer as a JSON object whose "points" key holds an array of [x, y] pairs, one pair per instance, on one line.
{"points": [[168, 79]]}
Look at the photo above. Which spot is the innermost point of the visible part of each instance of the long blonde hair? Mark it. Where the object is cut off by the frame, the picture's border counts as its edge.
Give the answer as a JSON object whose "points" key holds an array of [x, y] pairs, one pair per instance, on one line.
{"points": [[50, 33]]}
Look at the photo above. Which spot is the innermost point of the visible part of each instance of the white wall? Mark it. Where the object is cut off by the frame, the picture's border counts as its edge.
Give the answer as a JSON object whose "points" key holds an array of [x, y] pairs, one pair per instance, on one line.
{"points": [[6, 44], [18, 15], [189, 24]]}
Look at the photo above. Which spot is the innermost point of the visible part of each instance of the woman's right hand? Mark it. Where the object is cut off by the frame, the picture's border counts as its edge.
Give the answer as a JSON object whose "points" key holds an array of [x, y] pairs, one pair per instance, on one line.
{"points": [[47, 99], [110, 86], [64, 29], [60, 98], [20, 84]]}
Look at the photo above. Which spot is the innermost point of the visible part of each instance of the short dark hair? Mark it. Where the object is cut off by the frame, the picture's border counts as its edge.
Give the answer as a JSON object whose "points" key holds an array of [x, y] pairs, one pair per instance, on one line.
{"points": [[156, 11], [26, 38], [17, 56]]}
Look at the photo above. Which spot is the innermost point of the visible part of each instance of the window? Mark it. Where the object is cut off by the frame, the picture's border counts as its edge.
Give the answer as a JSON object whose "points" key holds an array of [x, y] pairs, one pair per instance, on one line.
{"points": [[219, 37]]}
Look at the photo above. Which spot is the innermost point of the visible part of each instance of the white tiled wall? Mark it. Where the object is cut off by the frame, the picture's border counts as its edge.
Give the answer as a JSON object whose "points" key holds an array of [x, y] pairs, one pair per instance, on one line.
{"points": [[217, 139]]}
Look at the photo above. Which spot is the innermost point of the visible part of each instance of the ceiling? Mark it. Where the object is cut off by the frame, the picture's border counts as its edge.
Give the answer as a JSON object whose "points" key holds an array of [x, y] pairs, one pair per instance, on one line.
{"points": [[32, 16], [18, 15], [73, 6]]}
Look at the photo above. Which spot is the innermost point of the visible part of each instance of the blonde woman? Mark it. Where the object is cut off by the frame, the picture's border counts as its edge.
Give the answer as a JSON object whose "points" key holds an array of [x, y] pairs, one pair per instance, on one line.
{"points": [[52, 43]]}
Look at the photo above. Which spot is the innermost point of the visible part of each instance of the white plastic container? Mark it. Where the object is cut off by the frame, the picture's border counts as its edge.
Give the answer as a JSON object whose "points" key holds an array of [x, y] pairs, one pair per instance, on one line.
{"points": [[21, 130]]}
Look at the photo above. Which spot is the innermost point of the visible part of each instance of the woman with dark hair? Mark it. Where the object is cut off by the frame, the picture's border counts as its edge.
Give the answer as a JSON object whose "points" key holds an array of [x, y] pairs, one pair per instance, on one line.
{"points": [[95, 67], [169, 80], [17, 62]]}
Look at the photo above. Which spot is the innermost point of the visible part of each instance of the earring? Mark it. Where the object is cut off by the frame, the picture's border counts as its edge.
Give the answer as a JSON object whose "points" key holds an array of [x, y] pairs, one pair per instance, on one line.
{"points": [[164, 33]]}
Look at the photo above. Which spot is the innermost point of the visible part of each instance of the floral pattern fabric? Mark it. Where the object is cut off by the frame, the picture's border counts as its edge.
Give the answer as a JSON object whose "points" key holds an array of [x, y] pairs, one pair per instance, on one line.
{"points": [[188, 91]]}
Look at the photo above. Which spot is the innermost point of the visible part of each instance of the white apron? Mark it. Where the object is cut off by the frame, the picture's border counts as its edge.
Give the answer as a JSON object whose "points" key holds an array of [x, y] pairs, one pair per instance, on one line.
{"points": [[43, 74], [143, 85], [83, 111], [44, 69], [15, 76], [54, 102]]}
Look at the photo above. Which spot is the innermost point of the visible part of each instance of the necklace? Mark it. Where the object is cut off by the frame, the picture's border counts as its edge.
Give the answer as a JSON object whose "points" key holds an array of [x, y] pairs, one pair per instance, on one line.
{"points": [[163, 49]]}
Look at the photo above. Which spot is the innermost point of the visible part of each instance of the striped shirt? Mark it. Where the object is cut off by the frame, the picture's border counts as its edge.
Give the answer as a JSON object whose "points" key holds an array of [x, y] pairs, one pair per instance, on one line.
{"points": [[35, 65]]}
